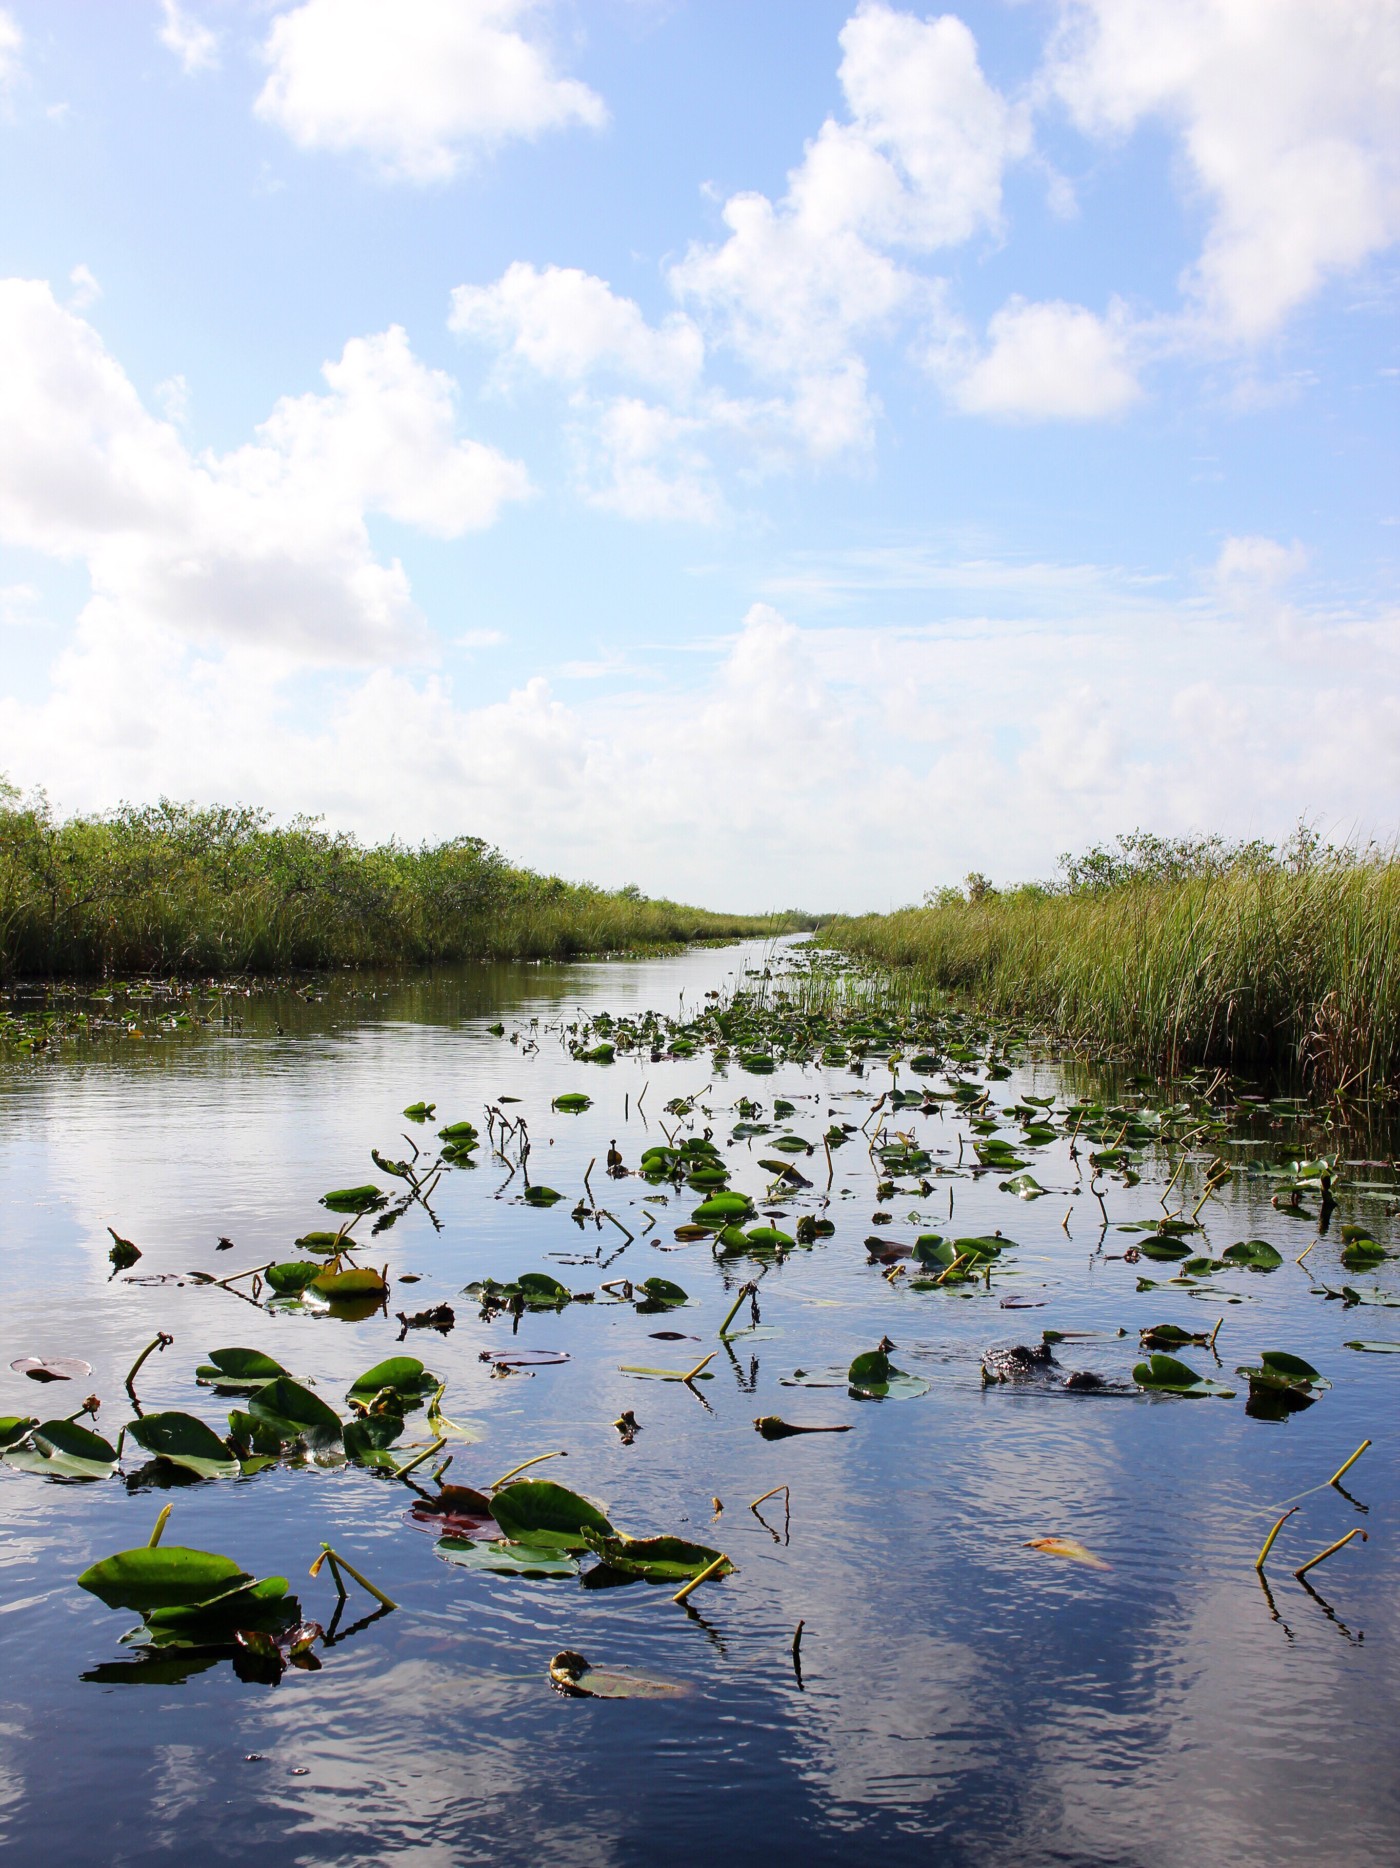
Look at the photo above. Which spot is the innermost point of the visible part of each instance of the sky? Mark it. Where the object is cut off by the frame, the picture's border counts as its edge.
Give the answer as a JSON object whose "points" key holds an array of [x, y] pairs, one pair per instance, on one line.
{"points": [[778, 455]]}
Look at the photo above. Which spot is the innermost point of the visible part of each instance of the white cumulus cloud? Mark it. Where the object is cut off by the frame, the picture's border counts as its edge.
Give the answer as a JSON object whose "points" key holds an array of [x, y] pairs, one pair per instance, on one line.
{"points": [[1049, 361], [193, 43], [266, 543], [566, 325], [419, 85], [1288, 115]]}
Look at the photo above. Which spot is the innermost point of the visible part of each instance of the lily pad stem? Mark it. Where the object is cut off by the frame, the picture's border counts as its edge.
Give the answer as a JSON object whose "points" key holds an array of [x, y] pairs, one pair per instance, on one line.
{"points": [[159, 1341], [1331, 1550], [1269, 1540], [420, 1458], [338, 1563], [690, 1374], [158, 1528], [703, 1576], [1350, 1463], [563, 1453], [745, 1290]]}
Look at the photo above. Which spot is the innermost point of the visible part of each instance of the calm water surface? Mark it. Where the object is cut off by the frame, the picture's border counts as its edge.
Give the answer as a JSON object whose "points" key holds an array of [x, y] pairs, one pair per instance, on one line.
{"points": [[963, 1698]]}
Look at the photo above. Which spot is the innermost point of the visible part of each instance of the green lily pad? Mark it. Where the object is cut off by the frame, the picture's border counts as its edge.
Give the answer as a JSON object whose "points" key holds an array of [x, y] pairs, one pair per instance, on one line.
{"points": [[323, 1244], [1278, 1369], [1024, 1186], [167, 1576], [238, 1370], [768, 1239], [14, 1428], [873, 1377], [1362, 1254], [1165, 1375], [352, 1282], [366, 1199], [61, 1449], [294, 1413], [264, 1606], [538, 1195], [460, 1134], [1258, 1254], [1372, 1349], [293, 1277], [1156, 1246], [368, 1439], [405, 1375], [722, 1208], [185, 1441], [541, 1291], [499, 1558], [572, 1103], [536, 1511], [656, 1559], [661, 1291]]}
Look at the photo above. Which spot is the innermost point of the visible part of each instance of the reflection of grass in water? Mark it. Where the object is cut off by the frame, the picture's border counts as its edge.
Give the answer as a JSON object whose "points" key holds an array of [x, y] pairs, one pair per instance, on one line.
{"points": [[1260, 966], [170, 888]]}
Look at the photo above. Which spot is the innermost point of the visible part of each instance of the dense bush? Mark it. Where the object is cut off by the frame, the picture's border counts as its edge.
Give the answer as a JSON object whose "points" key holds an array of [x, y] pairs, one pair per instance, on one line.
{"points": [[170, 888]]}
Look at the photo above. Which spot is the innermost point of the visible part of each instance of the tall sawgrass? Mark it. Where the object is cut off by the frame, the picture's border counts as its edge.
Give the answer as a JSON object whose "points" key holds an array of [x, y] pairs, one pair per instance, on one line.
{"points": [[1266, 968], [172, 889]]}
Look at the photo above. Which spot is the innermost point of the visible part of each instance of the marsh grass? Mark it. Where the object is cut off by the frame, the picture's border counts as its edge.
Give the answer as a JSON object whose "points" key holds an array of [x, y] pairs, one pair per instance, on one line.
{"points": [[171, 889], [1266, 967]]}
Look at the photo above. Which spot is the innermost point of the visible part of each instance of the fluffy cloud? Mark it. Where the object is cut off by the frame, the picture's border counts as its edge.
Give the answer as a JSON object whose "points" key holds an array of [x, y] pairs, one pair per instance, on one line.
{"points": [[567, 325], [419, 85], [1289, 118], [196, 47], [1048, 361], [794, 291], [11, 52], [918, 165], [836, 766], [267, 543]]}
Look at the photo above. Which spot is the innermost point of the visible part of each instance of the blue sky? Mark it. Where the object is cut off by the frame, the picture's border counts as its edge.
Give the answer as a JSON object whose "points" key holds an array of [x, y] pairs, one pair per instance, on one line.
{"points": [[782, 454]]}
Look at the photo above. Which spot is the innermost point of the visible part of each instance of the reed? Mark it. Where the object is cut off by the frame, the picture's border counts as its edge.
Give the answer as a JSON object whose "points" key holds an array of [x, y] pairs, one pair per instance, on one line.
{"points": [[175, 890], [1264, 966]]}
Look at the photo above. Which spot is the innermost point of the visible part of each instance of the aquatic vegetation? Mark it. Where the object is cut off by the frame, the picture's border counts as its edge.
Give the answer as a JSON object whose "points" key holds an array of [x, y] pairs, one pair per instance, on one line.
{"points": [[174, 889], [1273, 962], [884, 1195]]}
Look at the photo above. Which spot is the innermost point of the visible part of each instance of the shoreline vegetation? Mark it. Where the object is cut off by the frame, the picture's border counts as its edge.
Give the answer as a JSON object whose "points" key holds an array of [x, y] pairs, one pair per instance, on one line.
{"points": [[1275, 962], [172, 889]]}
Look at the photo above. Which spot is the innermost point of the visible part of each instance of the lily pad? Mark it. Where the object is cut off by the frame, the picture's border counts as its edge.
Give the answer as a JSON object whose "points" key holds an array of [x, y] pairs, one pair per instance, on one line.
{"points": [[61, 1449], [167, 1576], [1258, 1254], [572, 1103], [294, 1277], [1165, 1375], [656, 1559], [873, 1377], [538, 1195], [537, 1511], [404, 1375], [354, 1281], [238, 1371], [294, 1413], [501, 1558], [366, 1199], [1024, 1186], [661, 1292], [184, 1440]]}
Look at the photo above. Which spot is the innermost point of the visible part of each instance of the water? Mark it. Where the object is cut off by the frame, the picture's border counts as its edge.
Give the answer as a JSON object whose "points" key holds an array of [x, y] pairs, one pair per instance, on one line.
{"points": [[962, 1699]]}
